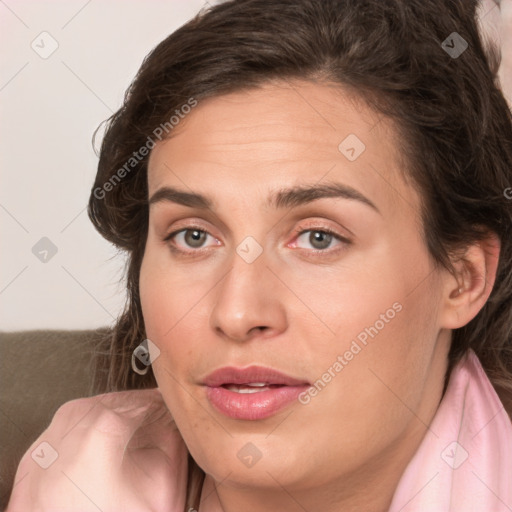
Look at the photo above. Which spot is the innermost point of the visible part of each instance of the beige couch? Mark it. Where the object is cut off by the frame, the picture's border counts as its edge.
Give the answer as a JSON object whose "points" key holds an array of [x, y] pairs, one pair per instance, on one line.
{"points": [[39, 371]]}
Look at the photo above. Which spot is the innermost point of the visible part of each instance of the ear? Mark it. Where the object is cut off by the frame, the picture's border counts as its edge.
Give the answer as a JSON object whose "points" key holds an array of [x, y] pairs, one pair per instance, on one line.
{"points": [[466, 292]]}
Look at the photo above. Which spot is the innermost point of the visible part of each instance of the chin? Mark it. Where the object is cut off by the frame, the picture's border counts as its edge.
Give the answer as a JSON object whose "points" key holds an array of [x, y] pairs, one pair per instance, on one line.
{"points": [[253, 461]]}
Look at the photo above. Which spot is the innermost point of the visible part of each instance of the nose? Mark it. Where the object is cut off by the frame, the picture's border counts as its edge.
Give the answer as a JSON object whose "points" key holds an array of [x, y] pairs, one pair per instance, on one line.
{"points": [[249, 301]]}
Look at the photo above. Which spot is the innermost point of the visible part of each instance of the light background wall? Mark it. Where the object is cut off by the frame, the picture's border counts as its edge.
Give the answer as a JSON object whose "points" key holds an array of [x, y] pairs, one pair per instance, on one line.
{"points": [[49, 109]]}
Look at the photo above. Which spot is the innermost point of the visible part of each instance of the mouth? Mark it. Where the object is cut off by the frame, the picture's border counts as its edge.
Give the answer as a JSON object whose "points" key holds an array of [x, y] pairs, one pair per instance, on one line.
{"points": [[252, 393]]}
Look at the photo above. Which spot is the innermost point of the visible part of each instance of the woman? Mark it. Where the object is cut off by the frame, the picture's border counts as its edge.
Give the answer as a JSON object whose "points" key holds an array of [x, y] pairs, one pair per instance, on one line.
{"points": [[314, 197]]}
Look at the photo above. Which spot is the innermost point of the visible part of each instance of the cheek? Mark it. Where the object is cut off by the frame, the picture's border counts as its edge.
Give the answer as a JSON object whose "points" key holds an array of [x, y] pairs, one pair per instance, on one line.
{"points": [[385, 326], [161, 309], [173, 307], [381, 314], [167, 296], [376, 294]]}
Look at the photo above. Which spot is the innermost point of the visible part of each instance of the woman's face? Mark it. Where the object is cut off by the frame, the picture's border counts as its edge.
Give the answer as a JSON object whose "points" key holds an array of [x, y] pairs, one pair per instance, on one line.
{"points": [[253, 279]]}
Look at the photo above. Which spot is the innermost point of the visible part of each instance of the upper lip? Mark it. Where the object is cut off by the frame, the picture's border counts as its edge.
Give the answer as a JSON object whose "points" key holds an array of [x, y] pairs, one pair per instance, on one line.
{"points": [[251, 374]]}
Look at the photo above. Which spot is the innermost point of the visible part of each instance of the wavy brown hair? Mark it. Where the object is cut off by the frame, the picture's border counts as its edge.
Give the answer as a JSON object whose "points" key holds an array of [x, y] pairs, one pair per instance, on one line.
{"points": [[454, 124]]}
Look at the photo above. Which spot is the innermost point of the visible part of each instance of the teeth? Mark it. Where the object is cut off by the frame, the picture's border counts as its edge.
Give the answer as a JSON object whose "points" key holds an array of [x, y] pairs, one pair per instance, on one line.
{"points": [[245, 390], [255, 387]]}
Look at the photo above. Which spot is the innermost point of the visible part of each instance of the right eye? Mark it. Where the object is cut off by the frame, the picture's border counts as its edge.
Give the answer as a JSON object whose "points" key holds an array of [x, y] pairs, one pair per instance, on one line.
{"points": [[192, 236]]}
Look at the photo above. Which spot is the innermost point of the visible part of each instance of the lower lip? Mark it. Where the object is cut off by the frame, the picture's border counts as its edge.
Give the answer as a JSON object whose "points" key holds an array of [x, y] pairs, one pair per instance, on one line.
{"points": [[252, 406]]}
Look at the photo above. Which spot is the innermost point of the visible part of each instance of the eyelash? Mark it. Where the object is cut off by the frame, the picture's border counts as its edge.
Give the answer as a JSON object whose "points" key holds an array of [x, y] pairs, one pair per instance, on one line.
{"points": [[299, 231]]}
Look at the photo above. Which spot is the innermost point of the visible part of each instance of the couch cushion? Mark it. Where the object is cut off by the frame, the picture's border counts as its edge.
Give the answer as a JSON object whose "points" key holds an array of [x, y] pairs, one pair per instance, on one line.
{"points": [[39, 371]]}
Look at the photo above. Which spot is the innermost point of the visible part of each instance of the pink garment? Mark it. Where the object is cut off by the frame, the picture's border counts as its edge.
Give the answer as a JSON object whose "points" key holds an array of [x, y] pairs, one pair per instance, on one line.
{"points": [[122, 452], [464, 463]]}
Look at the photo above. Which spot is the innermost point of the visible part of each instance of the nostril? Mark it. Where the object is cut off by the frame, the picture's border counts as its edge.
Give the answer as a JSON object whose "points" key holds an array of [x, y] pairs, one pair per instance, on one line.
{"points": [[260, 328]]}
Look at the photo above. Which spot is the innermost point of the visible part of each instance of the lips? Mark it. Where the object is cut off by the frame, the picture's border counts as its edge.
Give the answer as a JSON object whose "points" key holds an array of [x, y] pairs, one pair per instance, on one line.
{"points": [[251, 393], [252, 374]]}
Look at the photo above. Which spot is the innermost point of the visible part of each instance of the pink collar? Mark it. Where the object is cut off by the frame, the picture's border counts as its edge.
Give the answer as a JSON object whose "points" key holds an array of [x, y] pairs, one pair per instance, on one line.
{"points": [[464, 462]]}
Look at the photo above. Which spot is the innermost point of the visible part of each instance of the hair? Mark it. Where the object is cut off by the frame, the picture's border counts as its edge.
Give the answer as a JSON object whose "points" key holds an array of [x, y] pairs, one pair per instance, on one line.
{"points": [[454, 124]]}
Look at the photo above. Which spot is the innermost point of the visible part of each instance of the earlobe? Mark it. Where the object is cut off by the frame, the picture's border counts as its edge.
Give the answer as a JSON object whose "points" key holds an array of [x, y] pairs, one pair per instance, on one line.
{"points": [[467, 292]]}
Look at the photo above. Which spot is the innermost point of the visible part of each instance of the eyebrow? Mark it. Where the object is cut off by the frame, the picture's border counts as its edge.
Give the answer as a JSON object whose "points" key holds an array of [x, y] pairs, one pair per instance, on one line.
{"points": [[282, 198]]}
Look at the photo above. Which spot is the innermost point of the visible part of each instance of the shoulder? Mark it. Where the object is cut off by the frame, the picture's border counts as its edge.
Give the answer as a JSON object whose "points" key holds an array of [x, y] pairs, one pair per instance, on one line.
{"points": [[121, 446], [111, 409], [132, 420]]}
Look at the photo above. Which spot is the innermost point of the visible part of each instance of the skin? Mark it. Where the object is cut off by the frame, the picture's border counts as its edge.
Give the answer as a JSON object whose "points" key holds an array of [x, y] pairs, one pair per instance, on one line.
{"points": [[348, 447]]}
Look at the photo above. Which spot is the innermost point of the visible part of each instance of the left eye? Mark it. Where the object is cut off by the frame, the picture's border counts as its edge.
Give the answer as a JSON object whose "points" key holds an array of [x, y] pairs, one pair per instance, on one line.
{"points": [[320, 239]]}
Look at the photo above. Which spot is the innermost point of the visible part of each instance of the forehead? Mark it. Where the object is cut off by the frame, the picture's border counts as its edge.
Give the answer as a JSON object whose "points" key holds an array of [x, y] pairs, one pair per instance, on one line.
{"points": [[249, 142]]}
